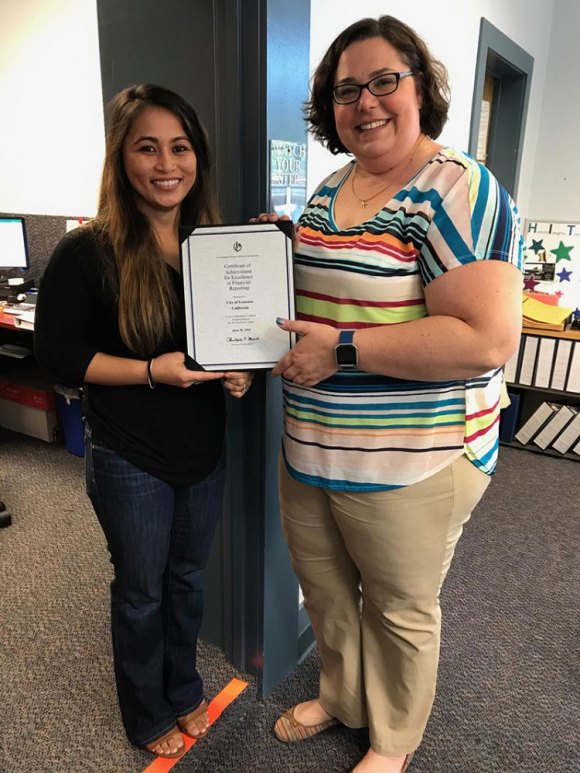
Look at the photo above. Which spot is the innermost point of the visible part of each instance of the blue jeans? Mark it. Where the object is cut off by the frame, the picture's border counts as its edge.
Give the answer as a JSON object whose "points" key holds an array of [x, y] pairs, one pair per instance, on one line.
{"points": [[159, 538]]}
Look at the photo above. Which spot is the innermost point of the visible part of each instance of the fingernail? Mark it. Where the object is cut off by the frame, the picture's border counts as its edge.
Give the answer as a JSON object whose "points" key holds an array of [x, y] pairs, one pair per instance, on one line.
{"points": [[280, 321]]}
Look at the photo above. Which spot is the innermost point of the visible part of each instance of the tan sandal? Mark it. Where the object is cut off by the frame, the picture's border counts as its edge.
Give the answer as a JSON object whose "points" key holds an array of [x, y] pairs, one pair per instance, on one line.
{"points": [[184, 722], [407, 762], [405, 767], [169, 755], [289, 729]]}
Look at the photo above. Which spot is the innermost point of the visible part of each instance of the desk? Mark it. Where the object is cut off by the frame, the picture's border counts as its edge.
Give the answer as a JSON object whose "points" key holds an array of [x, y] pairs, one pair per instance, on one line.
{"points": [[10, 334], [27, 399], [7, 323]]}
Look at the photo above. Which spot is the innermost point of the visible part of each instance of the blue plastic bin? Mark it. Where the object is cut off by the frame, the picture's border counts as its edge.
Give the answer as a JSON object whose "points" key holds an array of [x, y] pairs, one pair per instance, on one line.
{"points": [[70, 413]]}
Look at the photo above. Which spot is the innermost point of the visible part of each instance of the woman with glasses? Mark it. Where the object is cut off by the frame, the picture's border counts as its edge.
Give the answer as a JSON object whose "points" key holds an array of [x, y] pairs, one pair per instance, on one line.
{"points": [[110, 315], [408, 296]]}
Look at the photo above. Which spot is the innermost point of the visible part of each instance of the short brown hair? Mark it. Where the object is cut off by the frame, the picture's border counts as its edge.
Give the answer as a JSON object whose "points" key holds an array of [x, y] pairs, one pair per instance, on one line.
{"points": [[431, 78]]}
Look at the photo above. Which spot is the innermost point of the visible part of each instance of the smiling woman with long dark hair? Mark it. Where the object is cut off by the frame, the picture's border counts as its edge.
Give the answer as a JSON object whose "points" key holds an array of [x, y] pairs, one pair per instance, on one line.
{"points": [[110, 317]]}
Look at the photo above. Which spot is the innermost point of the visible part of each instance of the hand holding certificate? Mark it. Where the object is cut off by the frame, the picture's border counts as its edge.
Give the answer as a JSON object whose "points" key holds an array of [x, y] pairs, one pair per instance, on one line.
{"points": [[237, 280]]}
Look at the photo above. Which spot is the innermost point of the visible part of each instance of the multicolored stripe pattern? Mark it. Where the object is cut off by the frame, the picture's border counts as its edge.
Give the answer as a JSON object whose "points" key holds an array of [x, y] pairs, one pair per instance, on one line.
{"points": [[363, 432]]}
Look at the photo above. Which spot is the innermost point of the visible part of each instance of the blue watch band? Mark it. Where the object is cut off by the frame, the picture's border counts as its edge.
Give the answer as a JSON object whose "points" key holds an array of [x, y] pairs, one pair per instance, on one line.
{"points": [[346, 351], [345, 336]]}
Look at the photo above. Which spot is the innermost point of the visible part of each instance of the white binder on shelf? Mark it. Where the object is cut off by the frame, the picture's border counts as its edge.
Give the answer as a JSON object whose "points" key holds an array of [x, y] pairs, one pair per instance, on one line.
{"points": [[545, 362], [528, 360], [536, 421], [573, 381], [570, 434], [554, 426], [511, 367], [561, 362]]}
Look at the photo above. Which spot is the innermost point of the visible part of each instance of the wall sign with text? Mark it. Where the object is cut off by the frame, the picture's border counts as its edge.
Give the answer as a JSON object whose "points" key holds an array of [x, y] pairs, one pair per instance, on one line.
{"points": [[552, 260], [288, 178]]}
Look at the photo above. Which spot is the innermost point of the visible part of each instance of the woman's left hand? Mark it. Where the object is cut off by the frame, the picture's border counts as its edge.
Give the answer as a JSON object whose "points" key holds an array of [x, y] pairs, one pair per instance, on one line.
{"points": [[237, 382], [313, 359]]}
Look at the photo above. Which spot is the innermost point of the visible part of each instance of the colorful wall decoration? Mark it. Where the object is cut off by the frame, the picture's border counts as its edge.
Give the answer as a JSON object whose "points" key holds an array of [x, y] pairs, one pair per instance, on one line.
{"points": [[552, 260]]}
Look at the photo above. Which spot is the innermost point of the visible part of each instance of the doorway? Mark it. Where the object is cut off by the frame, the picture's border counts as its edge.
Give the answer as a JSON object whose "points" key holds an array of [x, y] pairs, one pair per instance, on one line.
{"points": [[501, 93]]}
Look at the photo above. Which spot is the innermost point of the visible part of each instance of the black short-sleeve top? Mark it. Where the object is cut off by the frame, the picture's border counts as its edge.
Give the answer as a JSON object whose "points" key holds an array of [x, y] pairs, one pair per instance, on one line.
{"points": [[173, 433]]}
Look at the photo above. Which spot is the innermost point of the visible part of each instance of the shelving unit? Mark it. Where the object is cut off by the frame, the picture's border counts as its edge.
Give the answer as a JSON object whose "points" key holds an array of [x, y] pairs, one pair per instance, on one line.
{"points": [[531, 396]]}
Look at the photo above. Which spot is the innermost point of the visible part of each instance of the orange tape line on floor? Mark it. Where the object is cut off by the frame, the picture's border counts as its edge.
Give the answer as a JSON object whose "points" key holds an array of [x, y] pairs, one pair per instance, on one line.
{"points": [[221, 701]]}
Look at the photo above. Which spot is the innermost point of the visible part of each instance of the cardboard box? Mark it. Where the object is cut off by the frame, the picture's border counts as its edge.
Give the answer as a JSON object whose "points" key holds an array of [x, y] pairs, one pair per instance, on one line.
{"points": [[30, 421]]}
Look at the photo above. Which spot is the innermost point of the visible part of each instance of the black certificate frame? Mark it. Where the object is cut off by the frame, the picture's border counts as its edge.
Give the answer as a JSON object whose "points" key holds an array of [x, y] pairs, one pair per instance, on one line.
{"points": [[194, 264]]}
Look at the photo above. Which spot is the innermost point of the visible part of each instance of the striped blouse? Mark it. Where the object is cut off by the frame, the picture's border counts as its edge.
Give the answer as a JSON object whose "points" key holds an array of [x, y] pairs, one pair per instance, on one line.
{"points": [[363, 432]]}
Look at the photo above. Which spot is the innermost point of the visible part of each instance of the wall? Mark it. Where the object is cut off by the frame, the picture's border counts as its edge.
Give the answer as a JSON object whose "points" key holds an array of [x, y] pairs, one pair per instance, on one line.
{"points": [[556, 176], [52, 117], [527, 23], [184, 48], [50, 95]]}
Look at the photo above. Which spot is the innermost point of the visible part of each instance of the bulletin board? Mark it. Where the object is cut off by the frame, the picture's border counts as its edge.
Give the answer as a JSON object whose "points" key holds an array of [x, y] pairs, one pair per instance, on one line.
{"points": [[552, 260]]}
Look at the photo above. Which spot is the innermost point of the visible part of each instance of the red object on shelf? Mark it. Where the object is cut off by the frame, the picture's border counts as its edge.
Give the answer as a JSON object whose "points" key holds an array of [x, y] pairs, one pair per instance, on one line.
{"points": [[6, 320], [550, 298], [39, 396]]}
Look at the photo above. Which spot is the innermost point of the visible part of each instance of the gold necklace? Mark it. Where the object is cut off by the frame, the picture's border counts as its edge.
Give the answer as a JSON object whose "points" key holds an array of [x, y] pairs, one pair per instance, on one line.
{"points": [[363, 202]]}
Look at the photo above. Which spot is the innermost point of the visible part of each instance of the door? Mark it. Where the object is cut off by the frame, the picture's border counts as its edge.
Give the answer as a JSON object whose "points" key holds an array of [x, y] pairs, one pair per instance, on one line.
{"points": [[500, 103]]}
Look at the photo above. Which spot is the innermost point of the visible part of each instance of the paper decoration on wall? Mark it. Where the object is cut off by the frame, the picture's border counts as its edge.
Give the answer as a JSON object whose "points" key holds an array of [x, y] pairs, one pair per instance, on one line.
{"points": [[563, 252], [530, 283], [552, 259]]}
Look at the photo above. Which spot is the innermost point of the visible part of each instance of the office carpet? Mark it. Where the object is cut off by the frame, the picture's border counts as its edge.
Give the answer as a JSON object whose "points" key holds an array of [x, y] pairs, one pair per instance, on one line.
{"points": [[508, 696]]}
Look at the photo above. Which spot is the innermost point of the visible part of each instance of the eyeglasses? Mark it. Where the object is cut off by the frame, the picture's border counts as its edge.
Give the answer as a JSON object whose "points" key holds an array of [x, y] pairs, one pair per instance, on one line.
{"points": [[347, 93]]}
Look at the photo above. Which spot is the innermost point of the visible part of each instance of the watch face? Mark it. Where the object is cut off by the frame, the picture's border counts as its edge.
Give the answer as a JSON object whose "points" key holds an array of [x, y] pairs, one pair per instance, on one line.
{"points": [[346, 355]]}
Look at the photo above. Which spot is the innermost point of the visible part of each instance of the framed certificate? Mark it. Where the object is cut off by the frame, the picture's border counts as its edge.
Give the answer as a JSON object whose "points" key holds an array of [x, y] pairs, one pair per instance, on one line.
{"points": [[237, 280]]}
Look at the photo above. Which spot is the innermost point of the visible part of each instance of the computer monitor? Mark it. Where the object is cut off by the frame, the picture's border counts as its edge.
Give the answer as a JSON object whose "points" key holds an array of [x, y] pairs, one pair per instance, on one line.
{"points": [[13, 244]]}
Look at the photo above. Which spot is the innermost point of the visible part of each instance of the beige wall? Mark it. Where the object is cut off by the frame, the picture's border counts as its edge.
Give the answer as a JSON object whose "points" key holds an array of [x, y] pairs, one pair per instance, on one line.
{"points": [[451, 29], [51, 105], [52, 135]]}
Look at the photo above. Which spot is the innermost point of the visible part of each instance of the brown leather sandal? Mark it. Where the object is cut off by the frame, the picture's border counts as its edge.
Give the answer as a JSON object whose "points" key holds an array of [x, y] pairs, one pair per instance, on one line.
{"points": [[407, 762], [184, 722], [169, 755], [289, 729], [405, 767]]}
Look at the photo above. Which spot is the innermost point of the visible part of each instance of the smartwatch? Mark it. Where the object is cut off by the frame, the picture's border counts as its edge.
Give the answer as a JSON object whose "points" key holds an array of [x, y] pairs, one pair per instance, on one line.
{"points": [[346, 351]]}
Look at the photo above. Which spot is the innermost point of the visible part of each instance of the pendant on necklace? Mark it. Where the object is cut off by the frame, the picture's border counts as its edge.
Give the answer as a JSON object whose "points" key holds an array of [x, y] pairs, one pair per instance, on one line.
{"points": [[362, 204]]}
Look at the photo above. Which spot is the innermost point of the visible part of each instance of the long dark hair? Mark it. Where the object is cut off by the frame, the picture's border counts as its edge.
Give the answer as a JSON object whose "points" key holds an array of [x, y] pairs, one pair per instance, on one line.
{"points": [[431, 78], [139, 274]]}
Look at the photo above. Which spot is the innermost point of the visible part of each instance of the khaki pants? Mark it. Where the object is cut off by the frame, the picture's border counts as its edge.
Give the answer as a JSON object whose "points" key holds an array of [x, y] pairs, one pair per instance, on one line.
{"points": [[371, 566]]}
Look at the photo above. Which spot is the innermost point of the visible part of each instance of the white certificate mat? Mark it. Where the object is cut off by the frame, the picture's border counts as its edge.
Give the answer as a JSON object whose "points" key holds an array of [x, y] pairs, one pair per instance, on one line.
{"points": [[237, 279]]}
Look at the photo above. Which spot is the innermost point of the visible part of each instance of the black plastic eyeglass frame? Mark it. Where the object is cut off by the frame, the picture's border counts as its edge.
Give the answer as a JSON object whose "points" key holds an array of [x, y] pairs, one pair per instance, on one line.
{"points": [[369, 85]]}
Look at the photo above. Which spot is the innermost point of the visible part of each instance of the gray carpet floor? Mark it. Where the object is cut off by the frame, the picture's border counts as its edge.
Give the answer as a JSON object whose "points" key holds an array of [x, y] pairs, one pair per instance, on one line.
{"points": [[508, 697]]}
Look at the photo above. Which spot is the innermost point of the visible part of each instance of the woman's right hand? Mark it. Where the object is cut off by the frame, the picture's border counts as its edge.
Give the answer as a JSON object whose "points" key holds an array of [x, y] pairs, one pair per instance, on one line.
{"points": [[272, 217], [170, 369], [268, 217]]}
